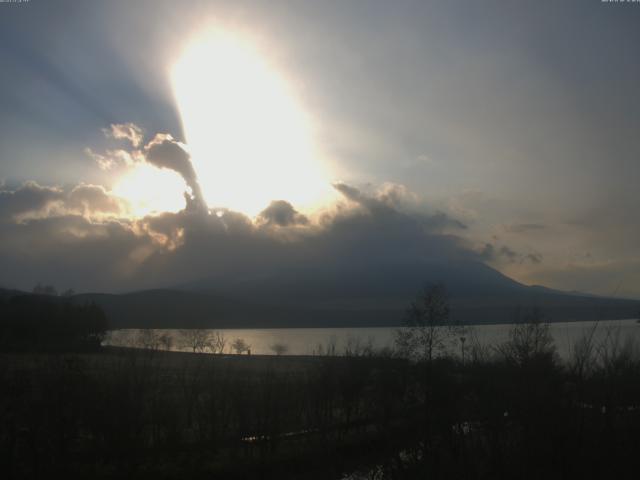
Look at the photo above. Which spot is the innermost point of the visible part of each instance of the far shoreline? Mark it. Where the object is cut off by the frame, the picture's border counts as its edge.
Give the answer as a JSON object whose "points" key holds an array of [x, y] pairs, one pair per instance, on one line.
{"points": [[344, 327]]}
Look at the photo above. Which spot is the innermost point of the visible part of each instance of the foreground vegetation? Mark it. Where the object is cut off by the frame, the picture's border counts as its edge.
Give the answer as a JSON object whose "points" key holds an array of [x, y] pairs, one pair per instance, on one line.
{"points": [[511, 412]]}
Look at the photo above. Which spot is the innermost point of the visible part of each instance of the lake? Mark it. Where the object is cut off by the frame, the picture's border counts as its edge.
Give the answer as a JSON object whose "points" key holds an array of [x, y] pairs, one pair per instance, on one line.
{"points": [[315, 341]]}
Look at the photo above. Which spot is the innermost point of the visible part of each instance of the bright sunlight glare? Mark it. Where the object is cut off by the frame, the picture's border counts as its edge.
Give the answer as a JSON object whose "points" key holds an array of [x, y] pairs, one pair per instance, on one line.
{"points": [[249, 139], [151, 190]]}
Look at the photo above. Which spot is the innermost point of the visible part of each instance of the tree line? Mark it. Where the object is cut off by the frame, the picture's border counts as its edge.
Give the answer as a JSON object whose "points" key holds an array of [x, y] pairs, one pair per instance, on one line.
{"points": [[32, 323]]}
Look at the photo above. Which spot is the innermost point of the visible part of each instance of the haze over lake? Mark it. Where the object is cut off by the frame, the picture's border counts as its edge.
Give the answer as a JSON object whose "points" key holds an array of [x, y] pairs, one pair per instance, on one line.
{"points": [[316, 341]]}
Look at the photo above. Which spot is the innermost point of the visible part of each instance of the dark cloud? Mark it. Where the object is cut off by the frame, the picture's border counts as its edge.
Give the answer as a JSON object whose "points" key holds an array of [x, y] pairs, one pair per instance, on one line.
{"points": [[31, 201], [72, 251], [29, 198], [389, 201], [535, 258], [282, 214], [112, 253], [383, 201], [488, 252], [354, 194], [506, 254], [229, 251]]}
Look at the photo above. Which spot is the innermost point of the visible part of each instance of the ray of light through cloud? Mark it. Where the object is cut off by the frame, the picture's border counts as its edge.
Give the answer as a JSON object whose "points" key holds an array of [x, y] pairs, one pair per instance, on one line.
{"points": [[250, 140], [488, 117]]}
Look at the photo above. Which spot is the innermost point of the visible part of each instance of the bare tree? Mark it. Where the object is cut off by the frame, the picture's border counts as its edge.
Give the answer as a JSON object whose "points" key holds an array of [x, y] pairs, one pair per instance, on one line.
{"points": [[473, 349], [148, 339], [616, 351], [583, 354], [279, 348], [328, 349], [356, 347], [240, 346], [217, 342], [166, 340], [427, 325], [529, 340], [196, 339]]}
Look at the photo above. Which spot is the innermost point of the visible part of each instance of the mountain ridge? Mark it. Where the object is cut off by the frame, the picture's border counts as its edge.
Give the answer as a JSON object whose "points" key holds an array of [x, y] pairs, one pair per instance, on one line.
{"points": [[375, 294]]}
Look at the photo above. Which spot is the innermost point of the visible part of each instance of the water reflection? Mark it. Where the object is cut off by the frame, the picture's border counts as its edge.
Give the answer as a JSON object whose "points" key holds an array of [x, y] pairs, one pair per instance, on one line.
{"points": [[338, 341]]}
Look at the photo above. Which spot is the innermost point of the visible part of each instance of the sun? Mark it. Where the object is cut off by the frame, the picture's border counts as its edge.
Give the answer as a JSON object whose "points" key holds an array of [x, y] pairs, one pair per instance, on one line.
{"points": [[250, 140], [150, 190]]}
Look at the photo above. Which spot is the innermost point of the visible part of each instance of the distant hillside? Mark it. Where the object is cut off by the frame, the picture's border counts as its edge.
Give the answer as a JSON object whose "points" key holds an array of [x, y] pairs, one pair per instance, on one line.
{"points": [[375, 294], [179, 309], [175, 309]]}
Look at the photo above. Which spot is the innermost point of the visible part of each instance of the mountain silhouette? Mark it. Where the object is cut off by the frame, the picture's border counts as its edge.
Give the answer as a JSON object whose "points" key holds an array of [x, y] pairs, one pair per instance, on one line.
{"points": [[370, 295]]}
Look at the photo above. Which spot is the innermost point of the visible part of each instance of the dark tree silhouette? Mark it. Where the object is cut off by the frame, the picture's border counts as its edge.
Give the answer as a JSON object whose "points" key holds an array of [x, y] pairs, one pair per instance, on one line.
{"points": [[41, 323], [41, 289], [427, 325]]}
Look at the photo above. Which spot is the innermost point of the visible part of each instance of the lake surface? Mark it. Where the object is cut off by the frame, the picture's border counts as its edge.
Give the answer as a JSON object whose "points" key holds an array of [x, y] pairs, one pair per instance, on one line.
{"points": [[317, 341]]}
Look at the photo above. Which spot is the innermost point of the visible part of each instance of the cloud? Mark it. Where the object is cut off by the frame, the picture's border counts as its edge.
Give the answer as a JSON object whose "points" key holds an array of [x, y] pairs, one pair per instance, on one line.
{"points": [[282, 214], [125, 131], [113, 159], [94, 199], [387, 198], [72, 251], [534, 257], [164, 152], [488, 252], [79, 238], [30, 198], [391, 199], [32, 201], [506, 254]]}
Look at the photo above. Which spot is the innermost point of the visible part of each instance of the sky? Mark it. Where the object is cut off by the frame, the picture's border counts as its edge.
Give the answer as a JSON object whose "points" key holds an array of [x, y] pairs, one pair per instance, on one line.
{"points": [[152, 143]]}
